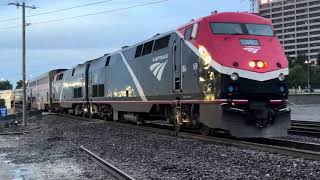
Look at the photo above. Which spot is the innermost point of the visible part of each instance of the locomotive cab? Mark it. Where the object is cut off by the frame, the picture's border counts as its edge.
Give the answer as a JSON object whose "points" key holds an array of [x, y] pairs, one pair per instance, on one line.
{"points": [[244, 66]]}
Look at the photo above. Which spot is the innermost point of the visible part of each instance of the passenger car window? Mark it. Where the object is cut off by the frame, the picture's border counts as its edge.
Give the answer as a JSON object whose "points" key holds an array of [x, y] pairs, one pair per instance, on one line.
{"points": [[108, 61], [115, 59]]}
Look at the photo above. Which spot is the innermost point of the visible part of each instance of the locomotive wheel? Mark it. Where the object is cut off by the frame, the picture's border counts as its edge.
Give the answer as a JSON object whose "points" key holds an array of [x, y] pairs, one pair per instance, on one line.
{"points": [[205, 130]]}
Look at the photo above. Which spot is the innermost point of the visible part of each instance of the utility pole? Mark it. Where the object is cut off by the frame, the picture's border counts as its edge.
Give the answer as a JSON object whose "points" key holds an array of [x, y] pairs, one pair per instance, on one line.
{"points": [[308, 62], [24, 90]]}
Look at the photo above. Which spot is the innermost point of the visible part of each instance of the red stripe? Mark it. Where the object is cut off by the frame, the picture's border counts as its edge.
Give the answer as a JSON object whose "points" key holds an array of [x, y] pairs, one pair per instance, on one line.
{"points": [[278, 101], [218, 101]]}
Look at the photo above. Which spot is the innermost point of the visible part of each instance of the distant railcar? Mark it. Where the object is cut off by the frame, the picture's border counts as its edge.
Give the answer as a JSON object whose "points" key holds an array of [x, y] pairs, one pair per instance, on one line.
{"points": [[224, 72], [18, 96], [40, 90]]}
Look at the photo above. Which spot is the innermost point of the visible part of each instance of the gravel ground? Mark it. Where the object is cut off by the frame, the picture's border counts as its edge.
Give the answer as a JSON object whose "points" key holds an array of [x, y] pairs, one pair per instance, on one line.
{"points": [[306, 139], [146, 155], [45, 153]]}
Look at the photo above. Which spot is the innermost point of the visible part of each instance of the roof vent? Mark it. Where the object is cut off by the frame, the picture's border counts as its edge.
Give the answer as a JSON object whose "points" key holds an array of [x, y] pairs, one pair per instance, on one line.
{"points": [[156, 35], [214, 12], [124, 47]]}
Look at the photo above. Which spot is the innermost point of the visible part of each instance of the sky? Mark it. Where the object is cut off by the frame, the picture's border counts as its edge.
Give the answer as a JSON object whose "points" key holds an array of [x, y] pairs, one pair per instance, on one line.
{"points": [[64, 44]]}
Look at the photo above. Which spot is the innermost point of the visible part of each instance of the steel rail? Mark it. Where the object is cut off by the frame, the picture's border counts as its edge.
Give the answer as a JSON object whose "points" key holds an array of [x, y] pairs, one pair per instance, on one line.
{"points": [[285, 147], [277, 147], [107, 166], [309, 128]]}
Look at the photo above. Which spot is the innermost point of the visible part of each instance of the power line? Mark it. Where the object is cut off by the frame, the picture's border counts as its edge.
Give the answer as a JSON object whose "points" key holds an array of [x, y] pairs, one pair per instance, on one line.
{"points": [[101, 12], [90, 14], [59, 10], [10, 27]]}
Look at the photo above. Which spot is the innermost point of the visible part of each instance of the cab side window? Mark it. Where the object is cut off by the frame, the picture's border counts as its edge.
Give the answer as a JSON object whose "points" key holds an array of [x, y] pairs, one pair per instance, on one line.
{"points": [[191, 32], [187, 34]]}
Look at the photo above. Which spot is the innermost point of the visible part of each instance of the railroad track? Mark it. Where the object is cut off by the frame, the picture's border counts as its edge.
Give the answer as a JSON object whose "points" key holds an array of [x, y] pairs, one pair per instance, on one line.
{"points": [[309, 128], [280, 146], [107, 166]]}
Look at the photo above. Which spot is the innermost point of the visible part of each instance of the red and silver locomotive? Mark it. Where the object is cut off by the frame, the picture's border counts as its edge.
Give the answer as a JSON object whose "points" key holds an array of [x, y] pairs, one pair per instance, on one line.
{"points": [[224, 72]]}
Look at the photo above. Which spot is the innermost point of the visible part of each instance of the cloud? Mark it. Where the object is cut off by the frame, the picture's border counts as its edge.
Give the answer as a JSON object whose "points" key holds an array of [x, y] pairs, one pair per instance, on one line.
{"points": [[67, 43]]}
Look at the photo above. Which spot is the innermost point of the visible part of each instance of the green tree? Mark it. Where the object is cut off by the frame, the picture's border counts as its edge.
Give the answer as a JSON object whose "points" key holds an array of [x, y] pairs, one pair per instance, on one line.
{"points": [[301, 58], [291, 61], [297, 76], [5, 85], [19, 84], [315, 77]]}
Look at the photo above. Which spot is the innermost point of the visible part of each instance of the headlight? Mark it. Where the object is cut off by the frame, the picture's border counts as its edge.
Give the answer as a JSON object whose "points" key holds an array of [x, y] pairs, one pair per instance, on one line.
{"points": [[234, 76], [230, 88], [281, 76]]}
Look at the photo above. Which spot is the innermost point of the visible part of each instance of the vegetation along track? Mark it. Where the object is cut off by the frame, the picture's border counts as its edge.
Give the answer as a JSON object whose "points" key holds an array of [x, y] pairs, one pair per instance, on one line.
{"points": [[107, 166], [281, 146], [309, 128]]}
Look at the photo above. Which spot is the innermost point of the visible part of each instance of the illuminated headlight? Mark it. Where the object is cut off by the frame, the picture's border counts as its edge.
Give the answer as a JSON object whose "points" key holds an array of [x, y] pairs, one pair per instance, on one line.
{"points": [[201, 79], [281, 76], [234, 76], [85, 109]]}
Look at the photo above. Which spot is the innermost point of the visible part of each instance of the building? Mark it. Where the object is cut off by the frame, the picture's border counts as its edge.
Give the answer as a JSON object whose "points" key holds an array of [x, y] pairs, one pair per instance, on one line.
{"points": [[296, 23], [8, 97]]}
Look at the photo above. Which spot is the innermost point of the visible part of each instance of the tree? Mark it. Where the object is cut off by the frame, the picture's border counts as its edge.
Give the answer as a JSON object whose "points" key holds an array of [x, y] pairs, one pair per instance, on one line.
{"points": [[301, 58], [19, 84], [291, 61], [297, 76], [318, 59], [5, 85]]}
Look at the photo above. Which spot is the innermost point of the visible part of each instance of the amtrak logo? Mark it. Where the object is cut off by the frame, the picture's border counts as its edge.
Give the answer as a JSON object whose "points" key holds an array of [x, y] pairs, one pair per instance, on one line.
{"points": [[253, 50], [157, 69]]}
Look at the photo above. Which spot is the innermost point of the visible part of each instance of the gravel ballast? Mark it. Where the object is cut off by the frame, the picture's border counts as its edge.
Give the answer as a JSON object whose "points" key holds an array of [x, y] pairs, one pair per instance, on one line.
{"points": [[142, 154], [303, 138]]}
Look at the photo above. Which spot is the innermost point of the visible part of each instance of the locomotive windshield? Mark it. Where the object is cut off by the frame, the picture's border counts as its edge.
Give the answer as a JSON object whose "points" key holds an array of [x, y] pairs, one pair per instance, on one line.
{"points": [[241, 28]]}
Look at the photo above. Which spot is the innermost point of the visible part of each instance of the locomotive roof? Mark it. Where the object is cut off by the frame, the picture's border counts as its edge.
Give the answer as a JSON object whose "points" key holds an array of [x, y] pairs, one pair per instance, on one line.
{"points": [[240, 17], [44, 74], [214, 17]]}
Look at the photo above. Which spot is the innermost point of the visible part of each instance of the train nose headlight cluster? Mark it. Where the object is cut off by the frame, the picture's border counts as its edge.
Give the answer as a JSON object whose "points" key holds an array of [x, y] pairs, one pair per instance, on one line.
{"points": [[234, 76], [258, 64], [282, 77]]}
